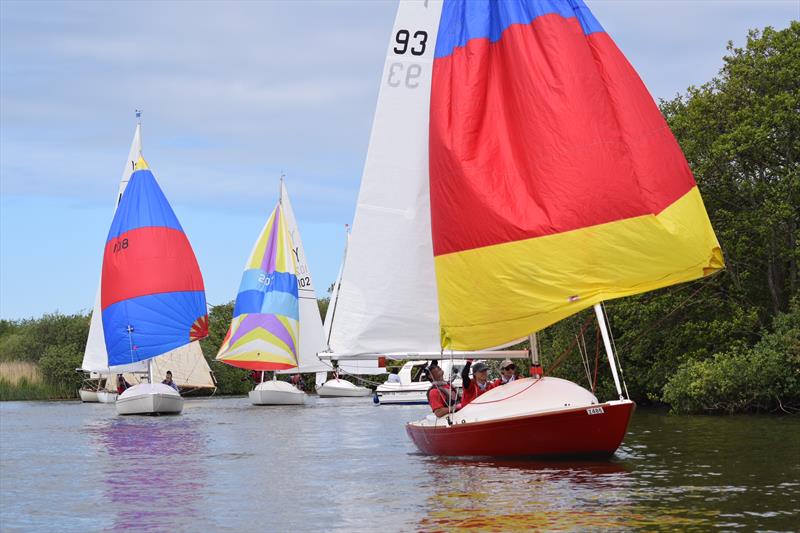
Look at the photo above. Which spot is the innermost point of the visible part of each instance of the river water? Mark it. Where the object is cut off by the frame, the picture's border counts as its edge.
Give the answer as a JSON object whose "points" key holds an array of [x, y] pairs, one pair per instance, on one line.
{"points": [[347, 465]]}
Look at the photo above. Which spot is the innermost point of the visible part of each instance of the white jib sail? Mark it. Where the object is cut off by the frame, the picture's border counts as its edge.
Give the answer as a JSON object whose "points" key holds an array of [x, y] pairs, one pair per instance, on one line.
{"points": [[312, 337], [387, 300], [95, 357], [367, 367]]}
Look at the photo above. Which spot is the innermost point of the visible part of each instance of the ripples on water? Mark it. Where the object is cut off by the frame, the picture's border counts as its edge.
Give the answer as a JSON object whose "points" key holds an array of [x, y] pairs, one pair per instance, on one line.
{"points": [[344, 464]]}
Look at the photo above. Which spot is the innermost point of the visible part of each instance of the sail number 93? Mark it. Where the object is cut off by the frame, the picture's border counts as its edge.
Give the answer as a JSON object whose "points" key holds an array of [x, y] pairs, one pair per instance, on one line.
{"points": [[406, 42]]}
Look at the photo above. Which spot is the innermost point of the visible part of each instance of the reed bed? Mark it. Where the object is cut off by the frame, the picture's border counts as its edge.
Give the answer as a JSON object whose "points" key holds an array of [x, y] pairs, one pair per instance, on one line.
{"points": [[22, 380], [14, 372]]}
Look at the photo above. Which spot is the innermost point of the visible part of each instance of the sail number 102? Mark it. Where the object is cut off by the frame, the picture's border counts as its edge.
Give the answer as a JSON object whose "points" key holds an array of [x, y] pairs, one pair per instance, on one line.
{"points": [[406, 42]]}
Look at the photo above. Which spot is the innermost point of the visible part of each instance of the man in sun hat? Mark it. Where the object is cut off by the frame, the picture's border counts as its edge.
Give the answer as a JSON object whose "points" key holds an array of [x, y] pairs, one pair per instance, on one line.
{"points": [[507, 373]]}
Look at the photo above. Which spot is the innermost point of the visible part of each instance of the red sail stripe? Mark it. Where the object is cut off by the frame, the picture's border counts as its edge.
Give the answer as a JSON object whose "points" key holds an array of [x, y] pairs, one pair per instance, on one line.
{"points": [[545, 131], [149, 260]]}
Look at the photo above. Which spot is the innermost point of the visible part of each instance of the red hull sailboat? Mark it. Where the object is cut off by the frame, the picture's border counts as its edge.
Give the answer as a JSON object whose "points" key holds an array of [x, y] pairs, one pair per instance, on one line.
{"points": [[518, 173], [593, 431]]}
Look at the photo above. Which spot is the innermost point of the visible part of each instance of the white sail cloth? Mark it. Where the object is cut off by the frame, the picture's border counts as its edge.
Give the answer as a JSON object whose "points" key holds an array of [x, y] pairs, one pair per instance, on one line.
{"points": [[95, 357], [312, 338], [387, 301]]}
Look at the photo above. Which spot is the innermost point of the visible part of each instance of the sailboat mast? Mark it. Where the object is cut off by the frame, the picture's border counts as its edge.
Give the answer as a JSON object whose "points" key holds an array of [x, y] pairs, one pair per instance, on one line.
{"points": [[601, 320]]}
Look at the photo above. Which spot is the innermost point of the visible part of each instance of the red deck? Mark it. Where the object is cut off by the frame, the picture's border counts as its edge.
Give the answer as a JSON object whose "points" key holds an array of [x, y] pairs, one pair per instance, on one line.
{"points": [[571, 432]]}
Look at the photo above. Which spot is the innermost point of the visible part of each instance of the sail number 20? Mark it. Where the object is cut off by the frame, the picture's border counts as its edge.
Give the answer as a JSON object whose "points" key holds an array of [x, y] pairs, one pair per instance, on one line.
{"points": [[410, 43]]}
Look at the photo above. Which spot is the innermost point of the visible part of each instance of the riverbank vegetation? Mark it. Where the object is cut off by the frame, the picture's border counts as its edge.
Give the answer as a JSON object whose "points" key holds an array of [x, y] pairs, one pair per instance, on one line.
{"points": [[723, 344]]}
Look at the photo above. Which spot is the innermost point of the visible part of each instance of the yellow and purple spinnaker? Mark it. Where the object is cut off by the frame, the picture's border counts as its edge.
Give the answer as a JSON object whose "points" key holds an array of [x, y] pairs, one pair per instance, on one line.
{"points": [[264, 331]]}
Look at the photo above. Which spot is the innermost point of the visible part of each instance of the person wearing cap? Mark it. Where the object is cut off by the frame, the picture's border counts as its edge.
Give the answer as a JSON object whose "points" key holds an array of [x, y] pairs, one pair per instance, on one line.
{"points": [[477, 384], [441, 396], [507, 373]]}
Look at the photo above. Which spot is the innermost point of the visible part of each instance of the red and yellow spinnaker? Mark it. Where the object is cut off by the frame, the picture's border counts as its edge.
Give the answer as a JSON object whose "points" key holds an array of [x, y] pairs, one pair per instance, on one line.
{"points": [[555, 182]]}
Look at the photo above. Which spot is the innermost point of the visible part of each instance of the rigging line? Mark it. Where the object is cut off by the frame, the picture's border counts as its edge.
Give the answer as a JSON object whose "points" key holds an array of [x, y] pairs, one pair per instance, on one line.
{"points": [[629, 343], [569, 349], [597, 359]]}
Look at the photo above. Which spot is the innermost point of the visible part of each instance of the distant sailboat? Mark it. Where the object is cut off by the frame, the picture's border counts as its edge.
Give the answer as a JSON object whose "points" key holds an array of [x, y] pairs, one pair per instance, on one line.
{"points": [[265, 330], [189, 367], [152, 293], [338, 387]]}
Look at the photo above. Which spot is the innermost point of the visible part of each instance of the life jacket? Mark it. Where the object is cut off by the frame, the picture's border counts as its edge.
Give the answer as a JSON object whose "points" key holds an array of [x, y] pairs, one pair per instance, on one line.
{"points": [[474, 390], [444, 396]]}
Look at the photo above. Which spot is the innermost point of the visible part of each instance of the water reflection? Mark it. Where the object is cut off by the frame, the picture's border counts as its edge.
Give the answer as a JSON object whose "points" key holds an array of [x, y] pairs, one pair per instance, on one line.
{"points": [[522, 495], [154, 471]]}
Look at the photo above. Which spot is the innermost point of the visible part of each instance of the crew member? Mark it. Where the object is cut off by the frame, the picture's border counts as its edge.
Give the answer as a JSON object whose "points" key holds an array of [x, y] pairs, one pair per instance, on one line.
{"points": [[507, 373], [168, 381], [441, 396], [477, 385]]}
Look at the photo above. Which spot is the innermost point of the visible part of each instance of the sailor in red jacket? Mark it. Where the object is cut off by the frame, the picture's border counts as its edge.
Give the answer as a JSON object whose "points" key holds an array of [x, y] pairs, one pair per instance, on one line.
{"points": [[441, 396], [477, 385], [507, 373]]}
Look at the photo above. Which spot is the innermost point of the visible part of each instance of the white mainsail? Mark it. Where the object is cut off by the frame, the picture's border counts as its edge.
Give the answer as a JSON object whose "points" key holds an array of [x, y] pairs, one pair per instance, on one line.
{"points": [[95, 357], [312, 337], [387, 301], [187, 364]]}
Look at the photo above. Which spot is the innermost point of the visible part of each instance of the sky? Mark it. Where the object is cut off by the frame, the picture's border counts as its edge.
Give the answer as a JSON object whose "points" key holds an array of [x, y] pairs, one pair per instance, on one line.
{"points": [[234, 93]]}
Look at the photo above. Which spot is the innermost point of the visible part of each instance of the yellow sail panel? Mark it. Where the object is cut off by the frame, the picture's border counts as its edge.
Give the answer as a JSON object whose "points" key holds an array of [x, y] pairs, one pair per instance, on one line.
{"points": [[491, 294]]}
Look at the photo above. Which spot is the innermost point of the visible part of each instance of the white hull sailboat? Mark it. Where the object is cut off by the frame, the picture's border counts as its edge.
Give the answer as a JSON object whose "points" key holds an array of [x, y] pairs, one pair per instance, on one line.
{"points": [[152, 292], [106, 396], [149, 399], [267, 332], [336, 387], [88, 396], [341, 388], [189, 367], [276, 392], [413, 386]]}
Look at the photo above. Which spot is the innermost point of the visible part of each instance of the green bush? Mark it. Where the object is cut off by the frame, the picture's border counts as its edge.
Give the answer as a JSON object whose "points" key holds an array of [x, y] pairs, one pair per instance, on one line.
{"points": [[764, 377], [58, 364]]}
